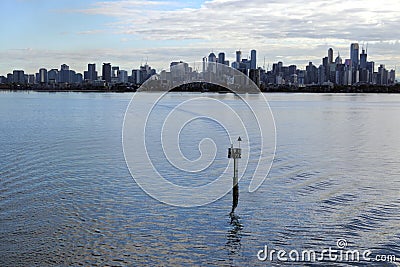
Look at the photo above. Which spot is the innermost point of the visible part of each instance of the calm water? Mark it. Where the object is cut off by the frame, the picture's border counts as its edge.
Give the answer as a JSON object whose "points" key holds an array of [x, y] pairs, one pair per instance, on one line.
{"points": [[67, 198]]}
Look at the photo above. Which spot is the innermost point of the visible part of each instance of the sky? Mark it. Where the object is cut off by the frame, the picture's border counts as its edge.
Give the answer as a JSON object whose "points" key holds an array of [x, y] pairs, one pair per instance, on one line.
{"points": [[128, 33]]}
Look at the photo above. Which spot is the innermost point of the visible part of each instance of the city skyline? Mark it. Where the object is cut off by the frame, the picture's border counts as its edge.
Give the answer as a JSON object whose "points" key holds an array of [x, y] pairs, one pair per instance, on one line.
{"points": [[46, 33], [356, 70]]}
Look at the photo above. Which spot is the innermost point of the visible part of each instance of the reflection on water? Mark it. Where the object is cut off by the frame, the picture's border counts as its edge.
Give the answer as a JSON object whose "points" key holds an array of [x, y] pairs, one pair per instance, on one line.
{"points": [[67, 199], [235, 201]]}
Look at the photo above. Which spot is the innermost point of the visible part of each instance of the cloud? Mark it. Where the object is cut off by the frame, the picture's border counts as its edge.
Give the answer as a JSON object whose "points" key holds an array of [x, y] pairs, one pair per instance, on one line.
{"points": [[274, 26], [256, 20]]}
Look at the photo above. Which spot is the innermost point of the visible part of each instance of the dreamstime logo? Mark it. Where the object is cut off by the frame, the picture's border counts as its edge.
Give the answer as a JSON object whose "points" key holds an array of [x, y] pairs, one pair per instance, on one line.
{"points": [[339, 254], [175, 144]]}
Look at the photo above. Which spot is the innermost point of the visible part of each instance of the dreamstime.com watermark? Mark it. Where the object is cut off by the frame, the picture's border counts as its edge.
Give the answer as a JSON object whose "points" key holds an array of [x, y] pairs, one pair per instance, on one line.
{"points": [[340, 253]]}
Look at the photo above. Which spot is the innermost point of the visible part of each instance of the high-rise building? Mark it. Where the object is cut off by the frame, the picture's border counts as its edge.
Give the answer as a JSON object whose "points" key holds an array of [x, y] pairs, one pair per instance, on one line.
{"points": [[354, 57], [330, 56], [106, 72], [18, 76], [363, 60], [221, 58], [64, 74], [53, 76], [363, 68], [43, 76], [114, 71], [354, 53], [212, 59], [253, 59], [122, 76], [238, 56], [91, 73]]}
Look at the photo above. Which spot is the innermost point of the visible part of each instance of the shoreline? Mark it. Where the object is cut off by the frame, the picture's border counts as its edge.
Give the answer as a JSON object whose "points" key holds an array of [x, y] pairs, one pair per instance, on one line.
{"points": [[364, 89]]}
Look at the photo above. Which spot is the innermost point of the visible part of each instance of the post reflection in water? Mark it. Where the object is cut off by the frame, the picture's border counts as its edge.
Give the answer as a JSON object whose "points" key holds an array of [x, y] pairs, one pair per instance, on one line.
{"points": [[234, 234], [235, 201]]}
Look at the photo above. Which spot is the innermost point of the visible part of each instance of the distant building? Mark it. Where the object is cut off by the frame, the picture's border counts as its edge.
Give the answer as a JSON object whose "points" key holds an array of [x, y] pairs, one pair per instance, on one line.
{"points": [[64, 74], [122, 76], [221, 58], [253, 59], [18, 76], [212, 59], [43, 79], [238, 56], [330, 55], [254, 75], [363, 71], [10, 78], [311, 74], [91, 74], [106, 72], [354, 57], [52, 76]]}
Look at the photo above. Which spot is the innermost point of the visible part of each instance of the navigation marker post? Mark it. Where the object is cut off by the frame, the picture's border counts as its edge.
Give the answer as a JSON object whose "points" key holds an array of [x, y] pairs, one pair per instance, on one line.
{"points": [[235, 154]]}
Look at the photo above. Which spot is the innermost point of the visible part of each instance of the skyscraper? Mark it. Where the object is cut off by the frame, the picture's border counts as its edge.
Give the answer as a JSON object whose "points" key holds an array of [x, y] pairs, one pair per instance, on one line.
{"points": [[330, 55], [354, 57], [91, 73], [106, 72], [64, 74], [238, 56], [221, 58], [363, 60], [354, 52], [18, 76], [43, 76], [363, 67], [253, 59], [212, 58]]}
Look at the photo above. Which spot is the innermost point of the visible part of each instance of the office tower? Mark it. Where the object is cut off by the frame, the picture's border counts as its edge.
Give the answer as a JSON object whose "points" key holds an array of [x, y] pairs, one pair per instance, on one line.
{"points": [[311, 74], [253, 59], [338, 59], [64, 74], [18, 76], [254, 75], [221, 58], [114, 71], [53, 76], [212, 58], [43, 76], [106, 72], [354, 57], [122, 76], [136, 77], [363, 60], [354, 52], [363, 67], [238, 56], [392, 76], [91, 73], [204, 64], [330, 55]]}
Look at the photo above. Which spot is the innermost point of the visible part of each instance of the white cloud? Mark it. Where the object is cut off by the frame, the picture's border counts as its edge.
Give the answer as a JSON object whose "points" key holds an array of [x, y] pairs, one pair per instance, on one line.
{"points": [[281, 27]]}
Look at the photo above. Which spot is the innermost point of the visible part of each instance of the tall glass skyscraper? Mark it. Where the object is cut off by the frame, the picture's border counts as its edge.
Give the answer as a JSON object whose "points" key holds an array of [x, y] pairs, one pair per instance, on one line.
{"points": [[253, 59], [106, 73], [354, 58], [354, 55]]}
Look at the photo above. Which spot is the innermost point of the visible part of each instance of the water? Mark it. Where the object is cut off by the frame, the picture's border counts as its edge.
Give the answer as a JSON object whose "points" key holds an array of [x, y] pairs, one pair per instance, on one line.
{"points": [[67, 198]]}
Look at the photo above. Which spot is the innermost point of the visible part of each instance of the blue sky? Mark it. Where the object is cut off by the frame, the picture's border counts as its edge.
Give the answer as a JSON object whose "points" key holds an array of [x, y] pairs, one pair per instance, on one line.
{"points": [[44, 33]]}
